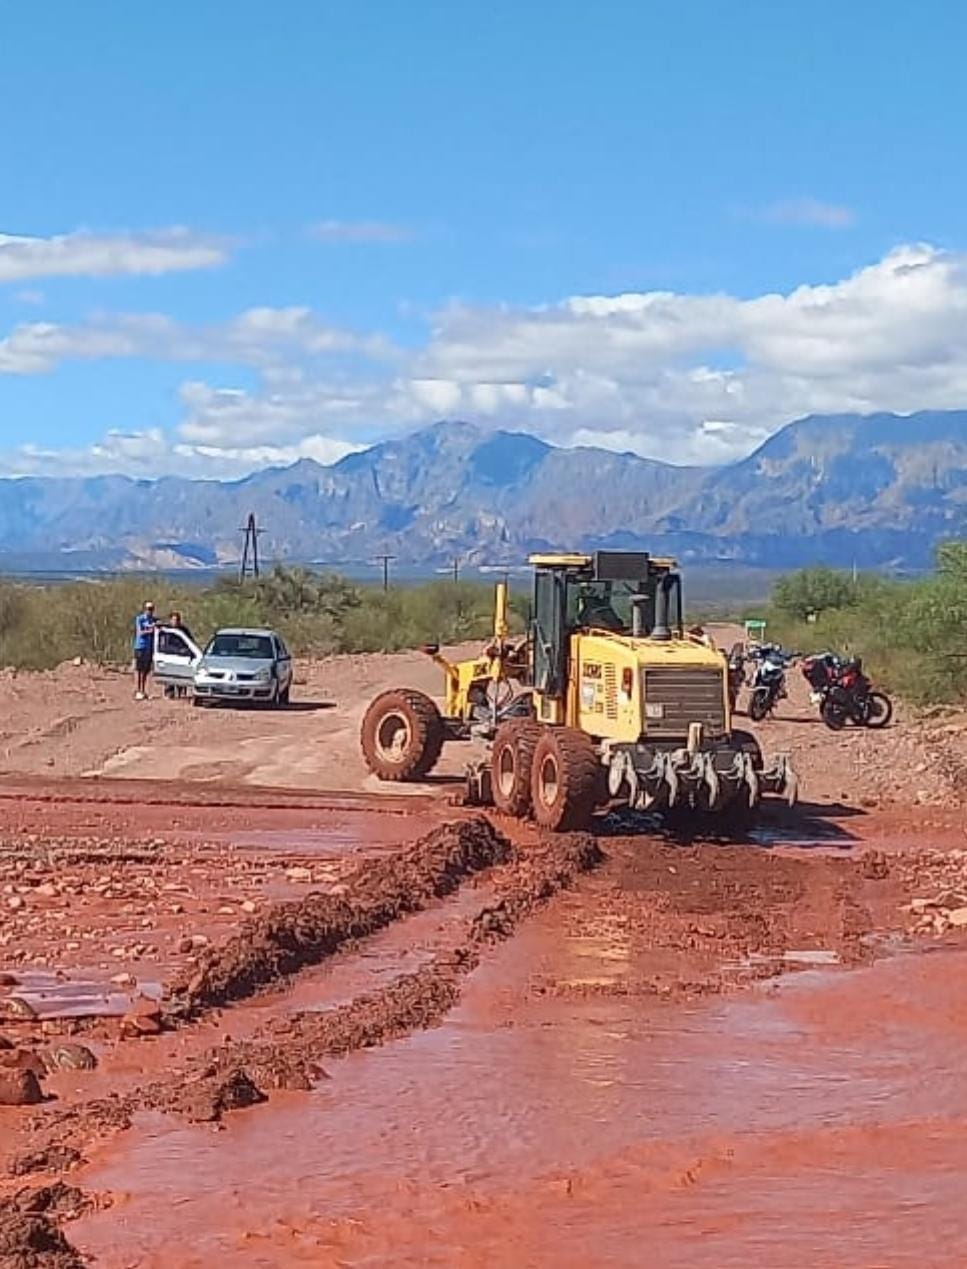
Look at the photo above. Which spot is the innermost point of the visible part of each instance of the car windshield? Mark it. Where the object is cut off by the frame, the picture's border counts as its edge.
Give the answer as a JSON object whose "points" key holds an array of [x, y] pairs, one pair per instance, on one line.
{"points": [[255, 646]]}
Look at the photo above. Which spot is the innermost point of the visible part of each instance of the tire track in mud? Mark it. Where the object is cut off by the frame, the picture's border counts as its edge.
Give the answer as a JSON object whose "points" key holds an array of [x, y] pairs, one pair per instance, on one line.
{"points": [[286, 1053]]}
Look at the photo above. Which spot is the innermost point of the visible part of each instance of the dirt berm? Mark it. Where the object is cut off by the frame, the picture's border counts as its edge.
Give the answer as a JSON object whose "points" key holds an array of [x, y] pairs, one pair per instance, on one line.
{"points": [[292, 935]]}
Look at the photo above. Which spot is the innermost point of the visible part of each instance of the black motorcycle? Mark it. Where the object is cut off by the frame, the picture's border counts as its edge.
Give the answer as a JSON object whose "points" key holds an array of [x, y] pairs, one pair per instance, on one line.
{"points": [[737, 672], [849, 697], [769, 681]]}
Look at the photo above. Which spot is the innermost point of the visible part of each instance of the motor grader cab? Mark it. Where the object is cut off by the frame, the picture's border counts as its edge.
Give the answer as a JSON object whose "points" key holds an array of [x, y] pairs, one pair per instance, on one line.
{"points": [[607, 700]]}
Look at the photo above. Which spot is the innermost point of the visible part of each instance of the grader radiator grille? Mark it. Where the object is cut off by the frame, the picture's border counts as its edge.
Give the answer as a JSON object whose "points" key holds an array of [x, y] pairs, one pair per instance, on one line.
{"points": [[676, 697]]}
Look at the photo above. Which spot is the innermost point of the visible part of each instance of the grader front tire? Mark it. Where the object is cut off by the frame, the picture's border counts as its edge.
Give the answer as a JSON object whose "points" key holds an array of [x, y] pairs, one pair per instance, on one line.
{"points": [[565, 779], [402, 735], [511, 766]]}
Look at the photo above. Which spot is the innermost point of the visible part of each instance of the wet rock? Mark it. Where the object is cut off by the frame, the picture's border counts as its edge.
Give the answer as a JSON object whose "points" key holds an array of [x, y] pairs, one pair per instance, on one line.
{"points": [[15, 1007], [28, 1241], [19, 1087], [143, 1018], [69, 1057], [8, 980], [22, 1060], [51, 1159], [207, 1102], [58, 1199]]}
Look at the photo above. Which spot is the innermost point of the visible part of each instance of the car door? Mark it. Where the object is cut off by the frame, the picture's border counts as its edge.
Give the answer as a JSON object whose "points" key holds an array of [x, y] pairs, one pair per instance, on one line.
{"points": [[175, 657], [283, 665]]}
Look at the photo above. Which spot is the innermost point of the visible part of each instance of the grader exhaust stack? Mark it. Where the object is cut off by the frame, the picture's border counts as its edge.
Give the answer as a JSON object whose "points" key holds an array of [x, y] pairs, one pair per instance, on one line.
{"points": [[605, 700]]}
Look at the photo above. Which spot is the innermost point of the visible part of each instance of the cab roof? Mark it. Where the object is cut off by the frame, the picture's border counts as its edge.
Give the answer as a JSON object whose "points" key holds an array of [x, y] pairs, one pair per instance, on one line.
{"points": [[607, 565]]}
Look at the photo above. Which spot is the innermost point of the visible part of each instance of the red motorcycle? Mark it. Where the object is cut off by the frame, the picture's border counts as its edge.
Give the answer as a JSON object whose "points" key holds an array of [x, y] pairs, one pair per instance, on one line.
{"points": [[844, 694]]}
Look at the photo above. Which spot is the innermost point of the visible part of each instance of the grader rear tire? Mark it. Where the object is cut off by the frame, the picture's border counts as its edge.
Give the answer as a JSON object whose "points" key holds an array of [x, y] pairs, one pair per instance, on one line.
{"points": [[565, 779], [511, 766], [402, 735]]}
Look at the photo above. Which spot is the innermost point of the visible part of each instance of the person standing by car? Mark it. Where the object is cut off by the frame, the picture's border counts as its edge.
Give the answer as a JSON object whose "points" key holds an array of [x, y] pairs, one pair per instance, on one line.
{"points": [[144, 627], [176, 622]]}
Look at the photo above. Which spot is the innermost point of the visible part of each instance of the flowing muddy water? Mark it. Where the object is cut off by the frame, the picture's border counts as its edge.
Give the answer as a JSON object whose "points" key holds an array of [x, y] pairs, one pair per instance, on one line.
{"points": [[595, 1098]]}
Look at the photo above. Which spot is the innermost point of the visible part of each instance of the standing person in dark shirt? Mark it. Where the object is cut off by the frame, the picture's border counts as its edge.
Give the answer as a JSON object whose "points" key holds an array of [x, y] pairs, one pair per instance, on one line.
{"points": [[176, 623], [144, 628]]}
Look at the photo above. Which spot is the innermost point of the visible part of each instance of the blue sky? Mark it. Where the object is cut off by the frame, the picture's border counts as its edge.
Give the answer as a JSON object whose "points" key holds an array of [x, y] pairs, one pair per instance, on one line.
{"points": [[238, 234]]}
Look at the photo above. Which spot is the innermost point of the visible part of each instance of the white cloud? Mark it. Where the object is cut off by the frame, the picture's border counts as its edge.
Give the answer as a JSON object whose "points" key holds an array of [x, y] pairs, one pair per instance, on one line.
{"points": [[258, 337], [358, 231], [679, 377], [811, 212], [89, 255], [153, 453]]}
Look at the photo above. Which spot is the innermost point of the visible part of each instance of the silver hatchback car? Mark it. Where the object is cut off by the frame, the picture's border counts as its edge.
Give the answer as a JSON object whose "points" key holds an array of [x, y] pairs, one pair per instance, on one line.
{"points": [[244, 665]]}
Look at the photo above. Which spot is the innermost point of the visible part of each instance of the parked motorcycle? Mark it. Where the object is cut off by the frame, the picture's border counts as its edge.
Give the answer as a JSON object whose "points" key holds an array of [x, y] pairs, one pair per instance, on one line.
{"points": [[768, 681], [737, 672], [845, 694]]}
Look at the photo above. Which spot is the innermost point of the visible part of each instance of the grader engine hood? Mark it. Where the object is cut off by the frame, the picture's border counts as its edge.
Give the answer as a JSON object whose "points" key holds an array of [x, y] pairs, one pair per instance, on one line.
{"points": [[631, 689]]}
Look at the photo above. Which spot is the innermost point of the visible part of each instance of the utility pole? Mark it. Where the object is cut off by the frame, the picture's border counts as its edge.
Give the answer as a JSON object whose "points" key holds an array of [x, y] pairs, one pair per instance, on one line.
{"points": [[456, 568], [385, 560], [250, 549]]}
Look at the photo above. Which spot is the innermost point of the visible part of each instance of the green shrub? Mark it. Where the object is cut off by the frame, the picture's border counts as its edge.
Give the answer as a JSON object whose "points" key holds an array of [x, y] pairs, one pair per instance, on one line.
{"points": [[44, 625]]}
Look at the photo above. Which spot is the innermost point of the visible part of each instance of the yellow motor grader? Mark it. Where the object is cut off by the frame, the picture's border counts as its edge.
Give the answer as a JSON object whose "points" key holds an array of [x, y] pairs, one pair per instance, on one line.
{"points": [[607, 700]]}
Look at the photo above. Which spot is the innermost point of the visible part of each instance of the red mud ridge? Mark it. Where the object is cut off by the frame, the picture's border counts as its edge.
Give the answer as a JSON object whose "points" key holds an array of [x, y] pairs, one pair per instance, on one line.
{"points": [[291, 935], [303, 932]]}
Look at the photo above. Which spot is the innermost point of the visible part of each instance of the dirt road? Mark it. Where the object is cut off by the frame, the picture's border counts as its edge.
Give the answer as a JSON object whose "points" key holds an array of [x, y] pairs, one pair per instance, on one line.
{"points": [[280, 1018]]}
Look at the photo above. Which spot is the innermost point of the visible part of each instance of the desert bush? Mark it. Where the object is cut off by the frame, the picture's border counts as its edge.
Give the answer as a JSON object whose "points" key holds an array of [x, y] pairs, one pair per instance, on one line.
{"points": [[44, 625]]}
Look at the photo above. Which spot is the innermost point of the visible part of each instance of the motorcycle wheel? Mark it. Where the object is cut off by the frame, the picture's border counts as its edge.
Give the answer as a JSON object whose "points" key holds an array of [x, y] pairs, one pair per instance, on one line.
{"points": [[758, 705], [833, 715], [879, 711]]}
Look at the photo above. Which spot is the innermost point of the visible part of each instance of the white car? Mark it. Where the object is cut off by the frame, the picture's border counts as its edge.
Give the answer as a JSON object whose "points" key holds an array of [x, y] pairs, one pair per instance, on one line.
{"points": [[238, 665]]}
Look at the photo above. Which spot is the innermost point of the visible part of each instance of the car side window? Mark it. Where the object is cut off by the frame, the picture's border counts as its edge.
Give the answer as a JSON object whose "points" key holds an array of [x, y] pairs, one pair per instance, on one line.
{"points": [[283, 651], [172, 644]]}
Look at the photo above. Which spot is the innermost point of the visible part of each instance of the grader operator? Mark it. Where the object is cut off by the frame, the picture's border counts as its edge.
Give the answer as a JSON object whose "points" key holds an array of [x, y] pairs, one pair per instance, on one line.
{"points": [[606, 701]]}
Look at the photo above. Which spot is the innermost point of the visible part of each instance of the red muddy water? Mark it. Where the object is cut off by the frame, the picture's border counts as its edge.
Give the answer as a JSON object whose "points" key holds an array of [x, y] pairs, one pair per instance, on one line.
{"points": [[819, 1120]]}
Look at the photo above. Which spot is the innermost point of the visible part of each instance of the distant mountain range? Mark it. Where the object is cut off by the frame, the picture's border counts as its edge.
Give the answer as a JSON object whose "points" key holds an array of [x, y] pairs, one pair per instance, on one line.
{"points": [[877, 490]]}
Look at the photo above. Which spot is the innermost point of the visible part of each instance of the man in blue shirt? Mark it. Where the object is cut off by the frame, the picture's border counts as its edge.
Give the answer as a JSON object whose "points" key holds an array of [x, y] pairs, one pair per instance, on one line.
{"points": [[144, 628]]}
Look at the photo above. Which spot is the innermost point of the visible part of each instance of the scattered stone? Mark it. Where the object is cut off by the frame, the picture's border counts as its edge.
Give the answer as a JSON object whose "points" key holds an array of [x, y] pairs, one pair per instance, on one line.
{"points": [[15, 903], [28, 1241], [957, 917], [143, 1018], [875, 865], [22, 1060], [16, 1007], [208, 1101], [19, 1088], [298, 874], [249, 907], [50, 1159], [69, 1057]]}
